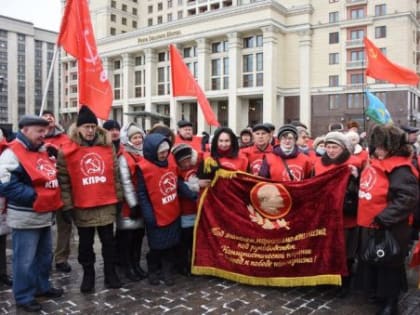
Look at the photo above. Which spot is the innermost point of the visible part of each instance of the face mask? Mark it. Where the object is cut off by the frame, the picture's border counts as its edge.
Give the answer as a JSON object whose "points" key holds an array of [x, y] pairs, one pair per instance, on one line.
{"points": [[320, 151]]}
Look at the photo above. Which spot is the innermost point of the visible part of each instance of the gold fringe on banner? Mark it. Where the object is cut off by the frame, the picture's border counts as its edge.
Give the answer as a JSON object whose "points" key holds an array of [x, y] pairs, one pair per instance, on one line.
{"points": [[273, 281]]}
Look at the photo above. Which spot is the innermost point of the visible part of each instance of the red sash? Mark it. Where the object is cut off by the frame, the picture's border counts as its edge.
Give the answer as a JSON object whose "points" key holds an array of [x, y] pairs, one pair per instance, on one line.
{"points": [[91, 171], [43, 174], [162, 187], [374, 185]]}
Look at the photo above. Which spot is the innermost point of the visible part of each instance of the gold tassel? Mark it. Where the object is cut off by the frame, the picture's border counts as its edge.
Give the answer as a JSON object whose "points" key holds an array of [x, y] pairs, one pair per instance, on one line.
{"points": [[208, 164]]}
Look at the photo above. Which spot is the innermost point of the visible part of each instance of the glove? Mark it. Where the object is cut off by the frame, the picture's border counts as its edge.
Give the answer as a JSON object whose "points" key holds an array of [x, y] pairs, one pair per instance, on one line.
{"points": [[52, 151], [135, 212], [67, 216]]}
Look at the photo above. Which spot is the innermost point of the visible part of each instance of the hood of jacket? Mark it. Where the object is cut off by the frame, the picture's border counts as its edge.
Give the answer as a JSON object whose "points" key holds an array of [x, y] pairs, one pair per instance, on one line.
{"points": [[151, 145]]}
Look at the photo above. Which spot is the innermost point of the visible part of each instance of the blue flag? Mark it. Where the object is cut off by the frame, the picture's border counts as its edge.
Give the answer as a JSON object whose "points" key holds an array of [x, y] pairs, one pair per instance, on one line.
{"points": [[377, 110]]}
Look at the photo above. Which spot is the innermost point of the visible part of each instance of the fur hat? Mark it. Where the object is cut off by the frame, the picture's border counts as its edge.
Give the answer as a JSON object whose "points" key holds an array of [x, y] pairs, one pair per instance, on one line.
{"points": [[181, 152], [338, 138], [388, 137], [289, 129], [86, 116], [111, 124], [32, 120]]}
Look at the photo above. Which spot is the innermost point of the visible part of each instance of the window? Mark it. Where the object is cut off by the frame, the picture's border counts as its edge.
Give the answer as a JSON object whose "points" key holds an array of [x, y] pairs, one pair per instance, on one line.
{"points": [[169, 4], [356, 78], [357, 55], [160, 6], [333, 17], [333, 38], [354, 100], [112, 31], [113, 4], [179, 2], [139, 61], [163, 80], [357, 34], [357, 13], [380, 31], [124, 21], [334, 58], [117, 64], [159, 20], [124, 7], [113, 17], [333, 101], [139, 85], [253, 41], [161, 56], [150, 9], [180, 15], [134, 24], [150, 22], [169, 17], [333, 80], [187, 52], [380, 9], [134, 11], [117, 86]]}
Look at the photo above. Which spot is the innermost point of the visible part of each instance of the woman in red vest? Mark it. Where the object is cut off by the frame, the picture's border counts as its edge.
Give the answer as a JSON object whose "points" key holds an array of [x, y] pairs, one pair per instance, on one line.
{"points": [[338, 153], [158, 187], [130, 225], [388, 194], [224, 153]]}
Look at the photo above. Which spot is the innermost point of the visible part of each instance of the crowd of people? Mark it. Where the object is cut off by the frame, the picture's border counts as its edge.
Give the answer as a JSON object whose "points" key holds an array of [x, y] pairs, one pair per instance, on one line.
{"points": [[128, 186]]}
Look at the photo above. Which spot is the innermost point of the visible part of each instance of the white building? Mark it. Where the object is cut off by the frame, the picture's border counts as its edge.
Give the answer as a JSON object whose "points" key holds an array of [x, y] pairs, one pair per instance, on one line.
{"points": [[258, 61]]}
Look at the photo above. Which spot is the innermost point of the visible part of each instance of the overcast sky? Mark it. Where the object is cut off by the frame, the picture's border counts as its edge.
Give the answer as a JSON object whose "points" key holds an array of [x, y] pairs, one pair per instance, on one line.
{"points": [[43, 13]]}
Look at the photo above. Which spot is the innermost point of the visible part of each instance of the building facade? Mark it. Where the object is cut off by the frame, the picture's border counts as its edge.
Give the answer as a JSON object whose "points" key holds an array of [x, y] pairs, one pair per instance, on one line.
{"points": [[257, 61], [26, 53]]}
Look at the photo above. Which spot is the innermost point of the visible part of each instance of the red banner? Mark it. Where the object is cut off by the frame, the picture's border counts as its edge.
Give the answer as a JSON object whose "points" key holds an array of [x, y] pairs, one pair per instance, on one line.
{"points": [[259, 232]]}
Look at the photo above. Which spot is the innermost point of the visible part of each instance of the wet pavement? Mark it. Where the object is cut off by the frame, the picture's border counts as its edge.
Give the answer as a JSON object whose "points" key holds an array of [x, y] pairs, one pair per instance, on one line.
{"points": [[198, 295]]}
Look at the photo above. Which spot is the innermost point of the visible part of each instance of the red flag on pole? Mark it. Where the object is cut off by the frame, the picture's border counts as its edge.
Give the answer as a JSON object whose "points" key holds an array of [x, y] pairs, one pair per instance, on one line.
{"points": [[184, 84], [380, 67], [77, 38]]}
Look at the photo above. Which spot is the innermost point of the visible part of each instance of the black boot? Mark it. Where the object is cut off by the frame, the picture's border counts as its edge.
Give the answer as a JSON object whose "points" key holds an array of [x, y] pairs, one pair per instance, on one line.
{"points": [[112, 281], [390, 307], [136, 253], [153, 267], [88, 282], [167, 270]]}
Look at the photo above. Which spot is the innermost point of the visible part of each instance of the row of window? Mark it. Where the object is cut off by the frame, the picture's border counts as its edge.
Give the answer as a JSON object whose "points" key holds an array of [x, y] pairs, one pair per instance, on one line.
{"points": [[357, 34], [352, 100], [355, 13]]}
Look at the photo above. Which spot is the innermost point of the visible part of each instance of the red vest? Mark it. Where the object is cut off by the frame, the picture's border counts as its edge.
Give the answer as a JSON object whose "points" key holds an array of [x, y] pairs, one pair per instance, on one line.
{"points": [[91, 171], [300, 167], [374, 185], [255, 157], [162, 187], [58, 141], [132, 160], [195, 143], [43, 174], [239, 163], [188, 206]]}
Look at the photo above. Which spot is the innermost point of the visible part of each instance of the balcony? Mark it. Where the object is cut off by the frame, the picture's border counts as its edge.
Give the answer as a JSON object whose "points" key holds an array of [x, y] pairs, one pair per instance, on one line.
{"points": [[355, 2], [353, 43], [355, 64]]}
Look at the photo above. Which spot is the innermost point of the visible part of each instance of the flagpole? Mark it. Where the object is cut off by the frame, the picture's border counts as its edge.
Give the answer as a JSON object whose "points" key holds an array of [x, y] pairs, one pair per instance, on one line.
{"points": [[47, 84], [363, 94]]}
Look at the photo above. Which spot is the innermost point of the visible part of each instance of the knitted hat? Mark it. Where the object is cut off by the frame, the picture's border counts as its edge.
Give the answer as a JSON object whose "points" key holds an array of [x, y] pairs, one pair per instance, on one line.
{"points": [[86, 116], [181, 152], [164, 146], [340, 139], [32, 120], [288, 128], [318, 141], [184, 123], [111, 124], [261, 127], [132, 130]]}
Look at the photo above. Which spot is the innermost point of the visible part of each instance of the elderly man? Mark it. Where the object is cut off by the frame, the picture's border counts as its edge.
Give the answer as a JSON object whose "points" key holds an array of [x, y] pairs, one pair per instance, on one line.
{"points": [[54, 140], [186, 135], [28, 181], [88, 174]]}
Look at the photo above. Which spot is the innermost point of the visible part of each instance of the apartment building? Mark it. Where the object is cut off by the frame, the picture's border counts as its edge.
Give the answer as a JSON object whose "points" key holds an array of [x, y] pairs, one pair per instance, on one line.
{"points": [[25, 57], [257, 61]]}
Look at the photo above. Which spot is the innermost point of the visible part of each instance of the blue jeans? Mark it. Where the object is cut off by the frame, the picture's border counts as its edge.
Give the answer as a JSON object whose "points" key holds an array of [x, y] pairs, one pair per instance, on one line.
{"points": [[32, 258]]}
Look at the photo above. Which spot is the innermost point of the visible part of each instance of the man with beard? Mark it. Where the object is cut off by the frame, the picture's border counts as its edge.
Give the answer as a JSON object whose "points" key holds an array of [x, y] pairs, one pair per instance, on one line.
{"points": [[185, 135]]}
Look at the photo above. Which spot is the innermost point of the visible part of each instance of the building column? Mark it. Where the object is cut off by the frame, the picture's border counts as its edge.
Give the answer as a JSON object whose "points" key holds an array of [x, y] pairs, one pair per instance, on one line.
{"points": [[234, 79], [127, 81], [305, 46], [203, 59], [270, 44], [150, 76]]}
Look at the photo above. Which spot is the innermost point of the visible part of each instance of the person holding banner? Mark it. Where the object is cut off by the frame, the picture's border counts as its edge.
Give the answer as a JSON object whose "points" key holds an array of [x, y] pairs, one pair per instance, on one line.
{"points": [[387, 196], [224, 153], [286, 162], [28, 179], [337, 153]]}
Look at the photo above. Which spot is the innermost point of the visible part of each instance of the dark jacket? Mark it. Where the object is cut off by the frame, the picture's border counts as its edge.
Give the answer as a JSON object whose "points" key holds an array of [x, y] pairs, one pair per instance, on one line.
{"points": [[158, 237]]}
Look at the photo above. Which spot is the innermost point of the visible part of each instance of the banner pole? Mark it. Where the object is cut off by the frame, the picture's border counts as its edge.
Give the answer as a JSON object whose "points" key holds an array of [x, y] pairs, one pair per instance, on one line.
{"points": [[47, 84], [363, 94]]}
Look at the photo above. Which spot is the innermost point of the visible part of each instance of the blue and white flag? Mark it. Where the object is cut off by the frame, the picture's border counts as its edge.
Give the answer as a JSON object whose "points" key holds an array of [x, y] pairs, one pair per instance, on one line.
{"points": [[377, 110]]}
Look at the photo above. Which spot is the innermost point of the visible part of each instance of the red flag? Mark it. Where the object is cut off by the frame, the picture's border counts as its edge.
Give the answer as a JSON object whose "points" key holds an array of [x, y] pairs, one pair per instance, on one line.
{"points": [[77, 38], [184, 84], [379, 67]]}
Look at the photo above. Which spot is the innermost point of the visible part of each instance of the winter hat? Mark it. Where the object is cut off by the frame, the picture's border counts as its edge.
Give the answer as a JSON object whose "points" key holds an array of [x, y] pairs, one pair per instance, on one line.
{"points": [[338, 138], [409, 129], [270, 126], [86, 116], [245, 131], [353, 137], [318, 141], [32, 120], [388, 137], [132, 130], [184, 123], [164, 146], [288, 128], [181, 152], [111, 124], [261, 127]]}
